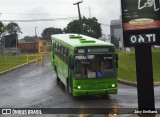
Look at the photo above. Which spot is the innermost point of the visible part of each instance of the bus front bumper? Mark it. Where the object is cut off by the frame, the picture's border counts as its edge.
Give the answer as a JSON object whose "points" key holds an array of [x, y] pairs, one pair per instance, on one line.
{"points": [[79, 92]]}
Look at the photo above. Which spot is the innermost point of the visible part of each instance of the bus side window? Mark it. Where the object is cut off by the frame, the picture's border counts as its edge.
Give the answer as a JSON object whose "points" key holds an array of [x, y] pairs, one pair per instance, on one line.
{"points": [[56, 48], [55, 45], [64, 54], [67, 57], [60, 51], [53, 49]]}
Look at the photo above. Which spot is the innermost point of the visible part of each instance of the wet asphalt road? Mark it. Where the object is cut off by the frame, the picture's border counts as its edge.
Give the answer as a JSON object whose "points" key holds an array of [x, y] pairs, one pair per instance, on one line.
{"points": [[35, 87]]}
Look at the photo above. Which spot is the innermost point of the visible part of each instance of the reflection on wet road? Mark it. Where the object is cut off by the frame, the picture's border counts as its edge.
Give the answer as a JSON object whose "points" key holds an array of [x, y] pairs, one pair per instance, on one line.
{"points": [[35, 87]]}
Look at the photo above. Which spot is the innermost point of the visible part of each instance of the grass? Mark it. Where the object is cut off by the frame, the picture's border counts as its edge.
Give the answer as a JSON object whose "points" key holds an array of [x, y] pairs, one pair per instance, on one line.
{"points": [[127, 67], [9, 62]]}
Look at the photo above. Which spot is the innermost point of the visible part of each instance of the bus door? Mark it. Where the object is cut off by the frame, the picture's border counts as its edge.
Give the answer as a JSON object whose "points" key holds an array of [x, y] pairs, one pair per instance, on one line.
{"points": [[70, 73], [53, 55]]}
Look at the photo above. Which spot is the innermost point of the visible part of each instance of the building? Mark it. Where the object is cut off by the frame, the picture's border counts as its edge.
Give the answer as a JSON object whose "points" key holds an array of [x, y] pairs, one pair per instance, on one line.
{"points": [[105, 38], [116, 33], [29, 47]]}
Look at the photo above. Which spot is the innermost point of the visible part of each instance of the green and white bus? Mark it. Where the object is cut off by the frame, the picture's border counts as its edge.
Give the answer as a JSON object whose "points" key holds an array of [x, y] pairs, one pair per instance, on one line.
{"points": [[85, 65]]}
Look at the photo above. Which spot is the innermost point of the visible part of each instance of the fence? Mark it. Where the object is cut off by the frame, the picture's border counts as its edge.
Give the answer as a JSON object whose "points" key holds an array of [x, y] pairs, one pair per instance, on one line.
{"points": [[9, 51]]}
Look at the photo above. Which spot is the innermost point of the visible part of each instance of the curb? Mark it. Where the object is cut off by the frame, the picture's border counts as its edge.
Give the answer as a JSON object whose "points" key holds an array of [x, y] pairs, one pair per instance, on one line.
{"points": [[11, 69], [134, 83], [127, 82], [157, 84]]}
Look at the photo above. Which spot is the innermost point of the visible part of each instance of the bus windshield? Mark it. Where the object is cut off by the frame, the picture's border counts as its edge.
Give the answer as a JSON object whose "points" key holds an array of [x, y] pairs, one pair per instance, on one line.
{"points": [[95, 66]]}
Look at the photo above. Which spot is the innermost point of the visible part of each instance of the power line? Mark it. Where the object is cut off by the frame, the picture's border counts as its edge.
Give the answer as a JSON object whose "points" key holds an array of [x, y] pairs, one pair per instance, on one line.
{"points": [[37, 20], [28, 13], [105, 24]]}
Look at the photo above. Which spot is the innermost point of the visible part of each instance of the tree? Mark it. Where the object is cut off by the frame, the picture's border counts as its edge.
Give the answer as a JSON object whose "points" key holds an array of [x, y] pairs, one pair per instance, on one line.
{"points": [[91, 27], [29, 38], [47, 32], [1, 28], [13, 28], [73, 27]]}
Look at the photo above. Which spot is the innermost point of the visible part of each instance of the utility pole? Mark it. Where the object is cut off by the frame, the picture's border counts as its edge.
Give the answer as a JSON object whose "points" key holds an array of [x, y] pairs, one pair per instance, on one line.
{"points": [[35, 38], [80, 20], [89, 12], [35, 31], [0, 34]]}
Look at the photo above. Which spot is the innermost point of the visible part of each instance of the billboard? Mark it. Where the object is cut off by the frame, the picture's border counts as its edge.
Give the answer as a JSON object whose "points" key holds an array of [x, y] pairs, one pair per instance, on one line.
{"points": [[10, 40], [140, 22]]}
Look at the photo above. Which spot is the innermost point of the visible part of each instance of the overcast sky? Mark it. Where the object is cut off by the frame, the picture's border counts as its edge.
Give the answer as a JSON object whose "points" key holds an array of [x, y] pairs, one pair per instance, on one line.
{"points": [[103, 10]]}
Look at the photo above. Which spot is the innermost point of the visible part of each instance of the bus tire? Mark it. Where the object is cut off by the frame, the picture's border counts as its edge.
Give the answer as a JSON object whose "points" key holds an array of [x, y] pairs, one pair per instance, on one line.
{"points": [[105, 96], [57, 78]]}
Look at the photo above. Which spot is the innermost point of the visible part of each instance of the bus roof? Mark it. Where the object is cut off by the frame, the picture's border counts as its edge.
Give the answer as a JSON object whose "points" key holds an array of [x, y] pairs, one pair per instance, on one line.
{"points": [[78, 40]]}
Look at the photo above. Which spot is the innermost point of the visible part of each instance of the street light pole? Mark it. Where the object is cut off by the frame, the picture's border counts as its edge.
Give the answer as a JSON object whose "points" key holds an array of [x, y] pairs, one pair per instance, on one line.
{"points": [[80, 20]]}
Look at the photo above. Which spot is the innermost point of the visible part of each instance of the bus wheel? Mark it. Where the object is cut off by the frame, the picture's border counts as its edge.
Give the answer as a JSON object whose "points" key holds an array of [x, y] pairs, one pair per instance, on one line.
{"points": [[104, 96], [57, 79]]}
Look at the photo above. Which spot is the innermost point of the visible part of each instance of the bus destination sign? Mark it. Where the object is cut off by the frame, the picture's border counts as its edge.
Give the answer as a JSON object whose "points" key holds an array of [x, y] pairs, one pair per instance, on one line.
{"points": [[102, 49], [141, 22]]}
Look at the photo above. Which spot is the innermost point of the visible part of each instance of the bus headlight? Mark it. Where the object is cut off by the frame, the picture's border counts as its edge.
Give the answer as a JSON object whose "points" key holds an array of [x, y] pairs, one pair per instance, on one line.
{"points": [[79, 87], [113, 85]]}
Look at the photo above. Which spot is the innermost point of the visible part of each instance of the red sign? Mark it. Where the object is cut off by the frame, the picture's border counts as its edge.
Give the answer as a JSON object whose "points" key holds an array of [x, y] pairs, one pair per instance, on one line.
{"points": [[143, 23]]}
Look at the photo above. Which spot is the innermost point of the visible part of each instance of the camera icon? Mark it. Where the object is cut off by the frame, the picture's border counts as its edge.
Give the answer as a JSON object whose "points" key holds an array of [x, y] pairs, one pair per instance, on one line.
{"points": [[149, 3], [6, 111]]}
